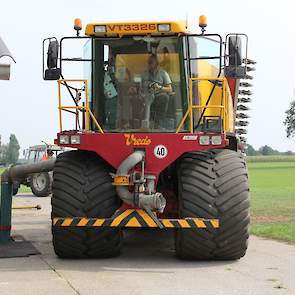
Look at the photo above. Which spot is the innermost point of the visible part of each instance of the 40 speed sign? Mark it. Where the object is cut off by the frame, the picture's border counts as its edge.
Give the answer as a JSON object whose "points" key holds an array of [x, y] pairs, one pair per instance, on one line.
{"points": [[160, 151]]}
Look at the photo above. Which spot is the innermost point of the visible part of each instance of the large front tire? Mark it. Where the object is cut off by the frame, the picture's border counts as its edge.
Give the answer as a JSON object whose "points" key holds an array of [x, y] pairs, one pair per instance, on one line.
{"points": [[214, 184], [82, 188]]}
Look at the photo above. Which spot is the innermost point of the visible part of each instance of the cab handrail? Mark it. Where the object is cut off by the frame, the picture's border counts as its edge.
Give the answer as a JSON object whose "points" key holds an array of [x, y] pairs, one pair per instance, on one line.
{"points": [[77, 108]]}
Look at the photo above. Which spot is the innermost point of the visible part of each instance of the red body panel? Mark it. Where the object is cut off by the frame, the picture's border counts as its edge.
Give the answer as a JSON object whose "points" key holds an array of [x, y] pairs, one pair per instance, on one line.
{"points": [[115, 147], [232, 86]]}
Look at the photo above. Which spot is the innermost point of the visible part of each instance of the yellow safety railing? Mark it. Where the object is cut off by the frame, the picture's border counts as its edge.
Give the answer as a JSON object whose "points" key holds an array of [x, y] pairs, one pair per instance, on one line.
{"points": [[86, 112], [223, 106]]}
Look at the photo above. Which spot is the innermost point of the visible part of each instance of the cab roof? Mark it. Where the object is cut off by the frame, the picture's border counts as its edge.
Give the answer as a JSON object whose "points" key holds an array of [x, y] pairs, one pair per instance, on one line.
{"points": [[106, 29], [43, 147]]}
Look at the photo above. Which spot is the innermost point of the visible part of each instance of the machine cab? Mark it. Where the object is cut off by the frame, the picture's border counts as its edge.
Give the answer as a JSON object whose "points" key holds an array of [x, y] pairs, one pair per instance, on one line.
{"points": [[137, 85], [150, 77]]}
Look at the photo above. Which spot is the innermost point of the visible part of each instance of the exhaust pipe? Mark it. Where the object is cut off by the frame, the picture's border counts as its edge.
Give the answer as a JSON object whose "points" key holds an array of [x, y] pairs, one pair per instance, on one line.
{"points": [[147, 200]]}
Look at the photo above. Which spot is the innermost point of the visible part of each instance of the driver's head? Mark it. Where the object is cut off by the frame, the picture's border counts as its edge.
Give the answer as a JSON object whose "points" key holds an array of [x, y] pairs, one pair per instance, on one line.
{"points": [[153, 63], [49, 153]]}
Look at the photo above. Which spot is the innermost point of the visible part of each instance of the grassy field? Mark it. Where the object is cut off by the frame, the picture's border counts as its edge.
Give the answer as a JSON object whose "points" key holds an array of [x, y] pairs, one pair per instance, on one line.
{"points": [[272, 183]]}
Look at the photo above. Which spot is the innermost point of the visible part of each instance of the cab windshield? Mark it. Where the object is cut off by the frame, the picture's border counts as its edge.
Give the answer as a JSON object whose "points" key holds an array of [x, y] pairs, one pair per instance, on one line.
{"points": [[136, 84]]}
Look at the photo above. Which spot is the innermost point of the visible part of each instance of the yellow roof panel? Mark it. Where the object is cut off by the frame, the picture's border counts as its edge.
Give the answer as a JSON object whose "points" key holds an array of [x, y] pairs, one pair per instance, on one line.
{"points": [[135, 28]]}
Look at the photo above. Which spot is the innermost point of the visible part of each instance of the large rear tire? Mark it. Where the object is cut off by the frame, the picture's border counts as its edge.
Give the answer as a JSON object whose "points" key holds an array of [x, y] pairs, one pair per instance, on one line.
{"points": [[214, 184], [82, 188]]}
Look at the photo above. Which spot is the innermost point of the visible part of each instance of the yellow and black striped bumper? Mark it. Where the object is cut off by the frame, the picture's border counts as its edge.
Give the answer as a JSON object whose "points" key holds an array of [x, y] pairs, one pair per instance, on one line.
{"points": [[134, 218]]}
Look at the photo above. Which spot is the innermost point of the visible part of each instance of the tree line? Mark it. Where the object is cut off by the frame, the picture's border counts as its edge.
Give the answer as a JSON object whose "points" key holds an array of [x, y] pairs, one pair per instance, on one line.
{"points": [[265, 151], [9, 153]]}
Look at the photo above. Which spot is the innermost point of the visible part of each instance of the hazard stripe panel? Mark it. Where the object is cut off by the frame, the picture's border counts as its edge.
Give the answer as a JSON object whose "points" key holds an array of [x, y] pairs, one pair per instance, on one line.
{"points": [[134, 218]]}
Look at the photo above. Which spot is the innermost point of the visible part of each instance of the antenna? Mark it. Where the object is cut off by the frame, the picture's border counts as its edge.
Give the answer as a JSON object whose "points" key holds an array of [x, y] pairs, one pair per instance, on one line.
{"points": [[186, 20]]}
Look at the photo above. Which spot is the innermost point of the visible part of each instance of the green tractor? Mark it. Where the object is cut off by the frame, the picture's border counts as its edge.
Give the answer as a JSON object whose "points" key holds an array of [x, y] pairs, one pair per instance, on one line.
{"points": [[40, 183]]}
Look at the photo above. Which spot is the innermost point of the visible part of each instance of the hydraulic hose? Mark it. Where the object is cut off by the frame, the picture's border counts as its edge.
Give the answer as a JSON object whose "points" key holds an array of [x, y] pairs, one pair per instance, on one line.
{"points": [[130, 162], [152, 200]]}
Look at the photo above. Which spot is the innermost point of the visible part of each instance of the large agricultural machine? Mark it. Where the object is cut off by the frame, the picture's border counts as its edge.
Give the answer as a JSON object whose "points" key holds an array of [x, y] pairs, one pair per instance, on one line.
{"points": [[156, 145]]}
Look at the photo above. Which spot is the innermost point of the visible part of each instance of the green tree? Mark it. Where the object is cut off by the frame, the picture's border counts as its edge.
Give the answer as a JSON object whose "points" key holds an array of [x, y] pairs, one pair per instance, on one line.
{"points": [[250, 151], [267, 151], [13, 150], [290, 120], [288, 153], [3, 154]]}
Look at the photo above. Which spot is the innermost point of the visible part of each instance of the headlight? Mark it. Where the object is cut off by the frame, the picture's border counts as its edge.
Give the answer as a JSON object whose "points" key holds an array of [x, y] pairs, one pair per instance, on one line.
{"points": [[216, 140], [75, 139], [100, 29], [64, 139], [204, 140], [164, 27]]}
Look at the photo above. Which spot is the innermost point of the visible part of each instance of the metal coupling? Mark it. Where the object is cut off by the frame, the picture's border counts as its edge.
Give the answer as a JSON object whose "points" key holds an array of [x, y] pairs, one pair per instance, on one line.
{"points": [[154, 201]]}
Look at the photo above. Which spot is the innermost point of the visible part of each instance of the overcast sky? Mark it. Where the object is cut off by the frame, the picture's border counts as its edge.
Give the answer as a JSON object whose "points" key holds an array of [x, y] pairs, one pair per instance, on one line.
{"points": [[28, 105]]}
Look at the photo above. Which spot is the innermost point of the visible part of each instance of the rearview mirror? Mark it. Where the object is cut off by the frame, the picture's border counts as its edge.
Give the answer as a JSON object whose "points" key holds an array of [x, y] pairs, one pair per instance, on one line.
{"points": [[52, 72], [235, 50], [52, 54], [234, 57]]}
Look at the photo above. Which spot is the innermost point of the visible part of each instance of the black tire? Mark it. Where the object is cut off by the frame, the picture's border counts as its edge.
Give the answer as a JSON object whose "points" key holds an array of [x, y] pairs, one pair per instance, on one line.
{"points": [[214, 184], [15, 187], [82, 187], [40, 184]]}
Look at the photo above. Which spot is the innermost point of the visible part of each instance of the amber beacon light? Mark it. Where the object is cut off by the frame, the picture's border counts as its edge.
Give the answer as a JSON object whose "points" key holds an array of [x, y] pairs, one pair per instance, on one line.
{"points": [[78, 25], [203, 23]]}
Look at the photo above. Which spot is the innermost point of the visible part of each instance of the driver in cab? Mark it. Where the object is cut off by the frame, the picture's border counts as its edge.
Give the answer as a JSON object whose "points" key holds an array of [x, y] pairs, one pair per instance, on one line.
{"points": [[155, 89], [155, 78]]}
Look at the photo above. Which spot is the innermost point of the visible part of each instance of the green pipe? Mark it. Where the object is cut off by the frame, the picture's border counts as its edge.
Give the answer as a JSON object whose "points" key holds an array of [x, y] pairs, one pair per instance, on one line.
{"points": [[7, 178], [5, 207]]}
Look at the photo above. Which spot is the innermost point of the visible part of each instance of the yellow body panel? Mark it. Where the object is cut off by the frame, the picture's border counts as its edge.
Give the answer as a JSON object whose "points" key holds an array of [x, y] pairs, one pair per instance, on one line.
{"points": [[135, 28], [219, 105], [219, 96], [130, 66]]}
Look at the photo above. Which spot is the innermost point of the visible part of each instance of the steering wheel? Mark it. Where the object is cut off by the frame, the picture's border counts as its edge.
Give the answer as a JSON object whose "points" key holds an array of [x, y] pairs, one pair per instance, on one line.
{"points": [[153, 87]]}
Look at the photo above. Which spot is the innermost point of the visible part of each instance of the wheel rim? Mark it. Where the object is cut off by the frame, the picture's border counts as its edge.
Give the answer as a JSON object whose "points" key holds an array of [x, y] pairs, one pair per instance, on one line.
{"points": [[39, 181]]}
